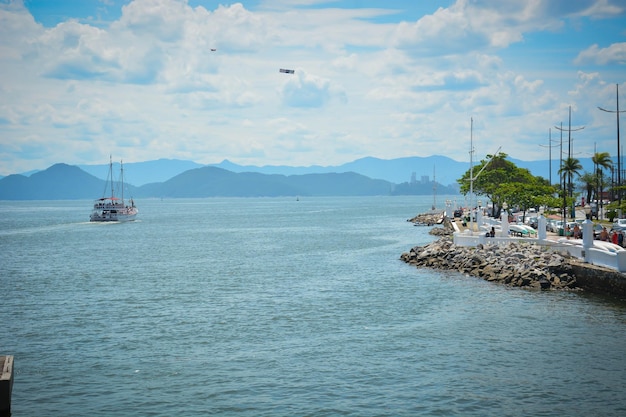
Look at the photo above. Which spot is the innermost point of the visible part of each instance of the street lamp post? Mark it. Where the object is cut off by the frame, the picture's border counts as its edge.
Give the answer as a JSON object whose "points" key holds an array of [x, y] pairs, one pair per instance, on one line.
{"points": [[550, 146], [569, 155]]}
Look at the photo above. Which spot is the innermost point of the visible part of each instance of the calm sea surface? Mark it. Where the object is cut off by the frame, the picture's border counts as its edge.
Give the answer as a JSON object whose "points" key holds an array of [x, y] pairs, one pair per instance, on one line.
{"points": [[278, 307]]}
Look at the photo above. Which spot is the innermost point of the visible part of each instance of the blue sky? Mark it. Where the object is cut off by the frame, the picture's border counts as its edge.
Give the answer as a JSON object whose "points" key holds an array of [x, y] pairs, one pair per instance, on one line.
{"points": [[83, 79]]}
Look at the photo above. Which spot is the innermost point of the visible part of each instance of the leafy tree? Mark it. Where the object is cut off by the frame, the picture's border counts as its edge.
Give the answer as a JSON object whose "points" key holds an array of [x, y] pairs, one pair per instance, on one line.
{"points": [[602, 161], [496, 178], [526, 195]]}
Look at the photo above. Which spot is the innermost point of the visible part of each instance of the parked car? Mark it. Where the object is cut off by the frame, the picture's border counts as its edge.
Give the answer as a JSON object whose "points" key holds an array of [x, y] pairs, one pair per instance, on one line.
{"points": [[597, 229], [556, 226], [617, 228], [619, 223]]}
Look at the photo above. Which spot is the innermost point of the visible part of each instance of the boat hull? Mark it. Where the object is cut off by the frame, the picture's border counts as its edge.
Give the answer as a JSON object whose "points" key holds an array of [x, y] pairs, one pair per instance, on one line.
{"points": [[109, 217], [111, 213]]}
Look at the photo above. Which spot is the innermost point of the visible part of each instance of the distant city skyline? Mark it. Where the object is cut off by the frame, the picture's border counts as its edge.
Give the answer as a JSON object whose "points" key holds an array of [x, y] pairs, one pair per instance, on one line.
{"points": [[207, 80]]}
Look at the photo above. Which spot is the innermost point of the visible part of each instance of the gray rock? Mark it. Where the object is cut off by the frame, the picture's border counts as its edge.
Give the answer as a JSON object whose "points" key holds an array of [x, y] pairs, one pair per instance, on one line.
{"points": [[516, 264]]}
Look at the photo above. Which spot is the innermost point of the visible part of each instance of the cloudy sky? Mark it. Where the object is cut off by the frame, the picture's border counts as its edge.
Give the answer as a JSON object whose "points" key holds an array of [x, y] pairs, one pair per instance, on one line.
{"points": [[200, 80]]}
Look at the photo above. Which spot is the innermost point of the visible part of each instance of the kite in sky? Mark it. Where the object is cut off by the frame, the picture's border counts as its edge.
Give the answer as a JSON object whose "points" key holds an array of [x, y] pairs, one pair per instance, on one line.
{"points": [[287, 71]]}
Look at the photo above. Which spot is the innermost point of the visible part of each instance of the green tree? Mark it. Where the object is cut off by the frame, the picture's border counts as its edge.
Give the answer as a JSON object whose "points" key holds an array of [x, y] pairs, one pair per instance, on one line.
{"points": [[492, 173], [526, 195], [602, 161]]}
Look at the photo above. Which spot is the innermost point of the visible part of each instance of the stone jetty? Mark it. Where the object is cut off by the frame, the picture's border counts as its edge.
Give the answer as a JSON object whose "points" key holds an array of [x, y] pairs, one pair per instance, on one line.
{"points": [[430, 219], [515, 264]]}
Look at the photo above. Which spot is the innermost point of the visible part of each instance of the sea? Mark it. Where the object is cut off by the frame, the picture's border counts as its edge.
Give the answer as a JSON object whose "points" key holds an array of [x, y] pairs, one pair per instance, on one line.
{"points": [[284, 307]]}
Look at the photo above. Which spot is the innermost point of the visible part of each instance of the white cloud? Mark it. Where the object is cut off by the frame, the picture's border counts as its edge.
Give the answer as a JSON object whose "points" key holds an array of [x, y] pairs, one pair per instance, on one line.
{"points": [[367, 82], [614, 54], [306, 90], [468, 26]]}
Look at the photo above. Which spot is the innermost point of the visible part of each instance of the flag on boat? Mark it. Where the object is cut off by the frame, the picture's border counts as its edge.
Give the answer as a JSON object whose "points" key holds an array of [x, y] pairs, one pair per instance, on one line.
{"points": [[287, 71]]}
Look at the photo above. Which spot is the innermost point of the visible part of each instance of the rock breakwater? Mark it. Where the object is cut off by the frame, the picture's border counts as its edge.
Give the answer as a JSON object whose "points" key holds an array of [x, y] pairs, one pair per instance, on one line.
{"points": [[515, 264], [429, 219]]}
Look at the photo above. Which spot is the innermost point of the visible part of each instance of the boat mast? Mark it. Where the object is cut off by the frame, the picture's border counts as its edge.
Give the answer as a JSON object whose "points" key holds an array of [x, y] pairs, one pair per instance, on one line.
{"points": [[434, 189], [471, 174], [111, 174], [122, 178]]}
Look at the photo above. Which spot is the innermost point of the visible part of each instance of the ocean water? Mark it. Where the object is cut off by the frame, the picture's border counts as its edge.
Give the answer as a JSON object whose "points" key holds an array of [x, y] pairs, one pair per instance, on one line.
{"points": [[278, 307]]}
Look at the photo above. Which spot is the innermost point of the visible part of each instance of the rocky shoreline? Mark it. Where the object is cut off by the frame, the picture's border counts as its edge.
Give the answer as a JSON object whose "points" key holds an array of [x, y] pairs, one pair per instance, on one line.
{"points": [[518, 264], [515, 264]]}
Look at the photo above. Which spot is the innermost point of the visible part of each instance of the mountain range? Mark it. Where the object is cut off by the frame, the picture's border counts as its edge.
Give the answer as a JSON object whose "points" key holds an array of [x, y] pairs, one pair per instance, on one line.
{"points": [[179, 178], [437, 168], [62, 181]]}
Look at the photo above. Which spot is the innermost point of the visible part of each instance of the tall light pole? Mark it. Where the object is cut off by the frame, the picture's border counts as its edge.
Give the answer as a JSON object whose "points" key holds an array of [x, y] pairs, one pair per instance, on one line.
{"points": [[550, 146], [619, 167], [471, 152], [569, 154]]}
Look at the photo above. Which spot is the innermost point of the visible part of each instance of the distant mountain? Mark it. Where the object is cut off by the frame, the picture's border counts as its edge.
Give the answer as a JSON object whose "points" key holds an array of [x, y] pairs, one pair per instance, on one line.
{"points": [[62, 181], [411, 175], [59, 182], [542, 168], [140, 173], [211, 181], [445, 170]]}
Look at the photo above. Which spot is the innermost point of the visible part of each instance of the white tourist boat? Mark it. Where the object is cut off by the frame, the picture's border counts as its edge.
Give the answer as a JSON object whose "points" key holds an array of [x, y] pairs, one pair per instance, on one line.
{"points": [[112, 208]]}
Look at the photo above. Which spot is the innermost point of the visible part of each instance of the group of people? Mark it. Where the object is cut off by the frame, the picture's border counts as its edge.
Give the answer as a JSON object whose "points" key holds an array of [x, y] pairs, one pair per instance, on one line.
{"points": [[574, 232], [614, 236]]}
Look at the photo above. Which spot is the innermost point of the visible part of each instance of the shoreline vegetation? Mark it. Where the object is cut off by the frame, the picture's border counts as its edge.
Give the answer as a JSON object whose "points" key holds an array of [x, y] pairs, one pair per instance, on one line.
{"points": [[516, 264]]}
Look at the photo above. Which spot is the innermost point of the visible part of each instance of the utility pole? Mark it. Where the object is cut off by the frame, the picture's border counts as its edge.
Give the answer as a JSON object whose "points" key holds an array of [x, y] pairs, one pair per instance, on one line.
{"points": [[569, 156], [562, 182], [549, 146], [471, 152], [619, 167]]}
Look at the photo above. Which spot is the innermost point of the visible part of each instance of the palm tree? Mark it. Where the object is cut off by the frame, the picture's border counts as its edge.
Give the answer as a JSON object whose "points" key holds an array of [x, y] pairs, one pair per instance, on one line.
{"points": [[601, 160], [571, 167]]}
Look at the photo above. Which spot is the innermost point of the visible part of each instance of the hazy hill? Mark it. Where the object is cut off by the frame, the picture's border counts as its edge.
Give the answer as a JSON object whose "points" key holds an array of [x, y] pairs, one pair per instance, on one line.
{"points": [[446, 171], [167, 177], [396, 171], [62, 181], [59, 182], [140, 173], [393, 170], [212, 181]]}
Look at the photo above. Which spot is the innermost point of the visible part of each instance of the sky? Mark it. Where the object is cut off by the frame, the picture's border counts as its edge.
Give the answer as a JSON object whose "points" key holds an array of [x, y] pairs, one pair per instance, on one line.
{"points": [[200, 80]]}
